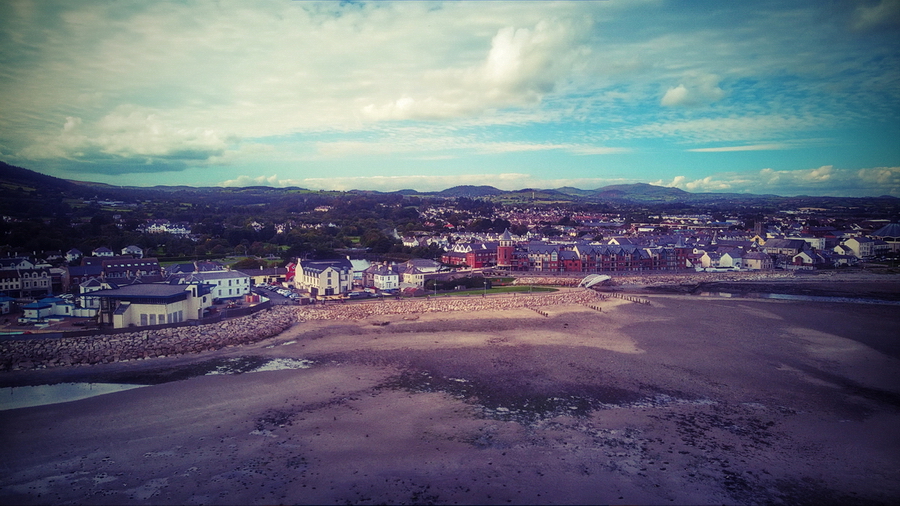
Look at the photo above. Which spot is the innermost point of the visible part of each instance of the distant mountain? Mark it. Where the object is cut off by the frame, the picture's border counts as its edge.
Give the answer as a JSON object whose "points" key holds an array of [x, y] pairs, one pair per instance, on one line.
{"points": [[575, 192], [406, 191], [27, 193], [469, 191], [12, 176], [639, 190]]}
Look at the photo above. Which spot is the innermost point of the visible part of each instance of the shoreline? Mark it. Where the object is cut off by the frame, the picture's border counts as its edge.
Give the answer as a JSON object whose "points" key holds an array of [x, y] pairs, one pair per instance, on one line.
{"points": [[23, 354], [778, 403]]}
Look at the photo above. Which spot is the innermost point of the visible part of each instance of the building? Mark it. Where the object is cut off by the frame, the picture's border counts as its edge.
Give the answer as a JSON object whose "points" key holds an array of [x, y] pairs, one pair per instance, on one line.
{"points": [[133, 251], [222, 284], [757, 261], [860, 247], [165, 227], [359, 269], [6, 304], [890, 234], [732, 259], [265, 275], [128, 268], [52, 307], [784, 247], [324, 277], [28, 283], [384, 277], [412, 277], [505, 250], [87, 287], [79, 274], [103, 251], [73, 255], [16, 264], [147, 304]]}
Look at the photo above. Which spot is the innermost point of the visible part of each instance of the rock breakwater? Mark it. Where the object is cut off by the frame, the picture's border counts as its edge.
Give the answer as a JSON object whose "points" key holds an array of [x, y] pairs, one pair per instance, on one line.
{"points": [[18, 354], [141, 344]]}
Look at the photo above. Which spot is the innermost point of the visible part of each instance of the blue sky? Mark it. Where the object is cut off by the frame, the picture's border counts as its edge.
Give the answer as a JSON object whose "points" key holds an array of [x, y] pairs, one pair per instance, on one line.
{"points": [[781, 97]]}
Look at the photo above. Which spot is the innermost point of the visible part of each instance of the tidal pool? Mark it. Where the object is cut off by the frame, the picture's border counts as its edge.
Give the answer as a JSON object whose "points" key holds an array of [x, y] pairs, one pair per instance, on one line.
{"points": [[39, 395]]}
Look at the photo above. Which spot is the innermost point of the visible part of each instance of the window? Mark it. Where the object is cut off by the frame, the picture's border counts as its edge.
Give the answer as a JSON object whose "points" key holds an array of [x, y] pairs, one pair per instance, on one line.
{"points": [[143, 320], [152, 319]]}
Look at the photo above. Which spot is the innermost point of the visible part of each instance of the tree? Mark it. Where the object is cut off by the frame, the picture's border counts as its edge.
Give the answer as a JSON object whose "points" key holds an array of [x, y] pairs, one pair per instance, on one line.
{"points": [[249, 264]]}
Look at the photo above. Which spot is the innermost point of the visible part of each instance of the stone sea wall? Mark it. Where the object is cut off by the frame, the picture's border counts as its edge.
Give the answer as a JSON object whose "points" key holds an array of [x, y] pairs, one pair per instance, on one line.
{"points": [[101, 348]]}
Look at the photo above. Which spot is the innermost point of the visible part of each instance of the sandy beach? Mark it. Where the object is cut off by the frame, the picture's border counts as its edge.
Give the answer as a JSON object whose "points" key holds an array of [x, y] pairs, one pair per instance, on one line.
{"points": [[685, 400]]}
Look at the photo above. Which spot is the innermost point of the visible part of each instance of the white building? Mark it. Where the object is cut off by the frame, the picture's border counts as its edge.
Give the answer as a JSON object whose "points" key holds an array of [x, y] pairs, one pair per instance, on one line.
{"points": [[52, 307], [359, 266], [324, 277], [146, 304], [103, 251], [860, 247], [733, 259], [223, 284], [85, 288], [384, 277], [134, 251]]}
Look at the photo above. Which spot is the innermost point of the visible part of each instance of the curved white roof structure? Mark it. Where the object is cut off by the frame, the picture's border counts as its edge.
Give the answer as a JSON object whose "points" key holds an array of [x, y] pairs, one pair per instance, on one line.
{"points": [[593, 279]]}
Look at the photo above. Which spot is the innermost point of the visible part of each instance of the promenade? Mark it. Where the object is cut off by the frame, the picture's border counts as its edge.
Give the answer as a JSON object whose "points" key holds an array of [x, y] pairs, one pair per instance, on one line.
{"points": [[659, 278]]}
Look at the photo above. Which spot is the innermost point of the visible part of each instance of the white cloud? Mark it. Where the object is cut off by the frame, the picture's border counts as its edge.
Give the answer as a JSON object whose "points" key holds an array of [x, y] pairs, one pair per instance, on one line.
{"points": [[522, 65], [824, 180], [885, 12], [701, 90], [727, 128], [452, 146], [751, 147], [127, 132], [192, 83]]}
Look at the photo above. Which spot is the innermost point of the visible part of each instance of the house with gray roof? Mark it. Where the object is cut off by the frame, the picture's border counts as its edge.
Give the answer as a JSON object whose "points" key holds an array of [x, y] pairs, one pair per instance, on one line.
{"points": [[324, 277]]}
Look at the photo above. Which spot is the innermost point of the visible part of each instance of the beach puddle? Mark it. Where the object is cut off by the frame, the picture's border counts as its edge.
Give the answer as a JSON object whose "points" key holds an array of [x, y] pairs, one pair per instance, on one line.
{"points": [[40, 395], [241, 365], [516, 404], [219, 366]]}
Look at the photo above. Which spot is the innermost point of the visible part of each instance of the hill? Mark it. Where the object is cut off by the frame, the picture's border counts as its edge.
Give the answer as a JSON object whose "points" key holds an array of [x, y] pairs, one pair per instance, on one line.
{"points": [[469, 191], [27, 193]]}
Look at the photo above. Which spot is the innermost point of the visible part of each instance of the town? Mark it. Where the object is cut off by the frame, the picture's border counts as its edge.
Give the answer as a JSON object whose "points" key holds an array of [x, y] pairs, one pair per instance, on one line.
{"points": [[349, 247]]}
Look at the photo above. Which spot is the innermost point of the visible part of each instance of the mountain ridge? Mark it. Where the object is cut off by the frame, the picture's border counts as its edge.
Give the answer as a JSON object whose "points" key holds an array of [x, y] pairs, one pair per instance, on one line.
{"points": [[33, 184]]}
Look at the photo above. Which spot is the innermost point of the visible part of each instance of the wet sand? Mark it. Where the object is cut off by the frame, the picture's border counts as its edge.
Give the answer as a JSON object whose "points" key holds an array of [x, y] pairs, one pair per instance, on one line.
{"points": [[684, 401]]}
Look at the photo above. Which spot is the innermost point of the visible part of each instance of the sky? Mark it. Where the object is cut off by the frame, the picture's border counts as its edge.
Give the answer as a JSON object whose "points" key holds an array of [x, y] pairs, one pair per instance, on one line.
{"points": [[782, 97]]}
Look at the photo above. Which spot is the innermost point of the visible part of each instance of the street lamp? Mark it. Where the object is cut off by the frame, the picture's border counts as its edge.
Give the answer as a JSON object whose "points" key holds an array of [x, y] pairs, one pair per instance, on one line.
{"points": [[485, 288]]}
